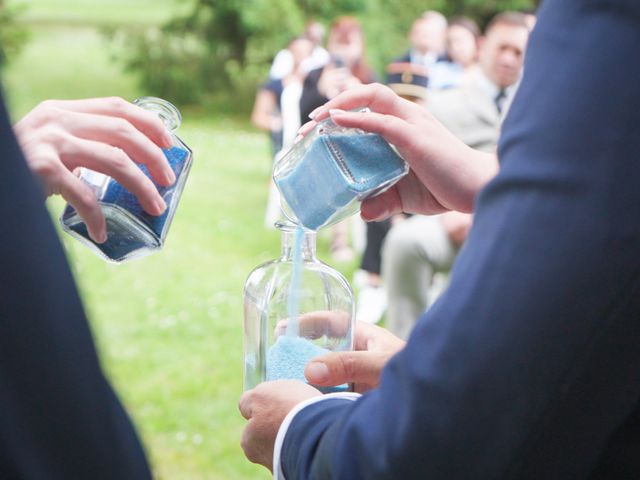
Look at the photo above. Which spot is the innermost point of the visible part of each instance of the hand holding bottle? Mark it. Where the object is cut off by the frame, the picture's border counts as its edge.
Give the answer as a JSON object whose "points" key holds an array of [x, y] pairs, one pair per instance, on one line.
{"points": [[445, 173], [374, 346], [108, 135]]}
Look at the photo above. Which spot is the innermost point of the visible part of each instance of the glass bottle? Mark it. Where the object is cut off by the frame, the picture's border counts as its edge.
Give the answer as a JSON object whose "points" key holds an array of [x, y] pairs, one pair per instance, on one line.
{"points": [[132, 232], [294, 311], [325, 176]]}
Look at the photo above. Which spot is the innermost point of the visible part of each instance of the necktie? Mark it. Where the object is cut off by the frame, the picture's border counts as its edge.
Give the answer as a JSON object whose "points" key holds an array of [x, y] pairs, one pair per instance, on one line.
{"points": [[499, 100]]}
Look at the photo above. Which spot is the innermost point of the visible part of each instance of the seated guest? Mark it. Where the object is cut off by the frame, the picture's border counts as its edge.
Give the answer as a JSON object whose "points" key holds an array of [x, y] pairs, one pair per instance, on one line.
{"points": [[417, 248], [462, 51], [409, 80], [427, 38]]}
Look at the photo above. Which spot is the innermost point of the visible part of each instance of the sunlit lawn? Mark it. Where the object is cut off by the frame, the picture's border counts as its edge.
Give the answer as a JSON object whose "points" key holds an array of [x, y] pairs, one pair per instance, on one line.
{"points": [[169, 326], [100, 12]]}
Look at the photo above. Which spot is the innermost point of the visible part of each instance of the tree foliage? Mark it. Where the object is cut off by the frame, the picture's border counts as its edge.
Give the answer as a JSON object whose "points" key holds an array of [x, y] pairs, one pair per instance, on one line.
{"points": [[12, 36], [225, 46]]}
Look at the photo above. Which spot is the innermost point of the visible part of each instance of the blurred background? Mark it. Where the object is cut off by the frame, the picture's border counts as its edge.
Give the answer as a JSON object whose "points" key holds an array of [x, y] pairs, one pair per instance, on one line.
{"points": [[169, 326]]}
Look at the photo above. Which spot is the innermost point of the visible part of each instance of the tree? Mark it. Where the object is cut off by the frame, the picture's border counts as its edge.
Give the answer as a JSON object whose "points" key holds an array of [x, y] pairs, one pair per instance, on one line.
{"points": [[12, 36], [227, 45]]}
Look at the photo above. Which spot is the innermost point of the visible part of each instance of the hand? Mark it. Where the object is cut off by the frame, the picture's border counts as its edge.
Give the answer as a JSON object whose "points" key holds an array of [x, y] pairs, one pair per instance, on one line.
{"points": [[374, 347], [445, 173], [265, 408], [108, 135], [313, 325], [457, 226]]}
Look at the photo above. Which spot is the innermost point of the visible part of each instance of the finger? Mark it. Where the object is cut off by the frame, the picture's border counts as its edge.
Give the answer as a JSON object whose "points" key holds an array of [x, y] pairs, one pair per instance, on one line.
{"points": [[382, 206], [246, 442], [122, 134], [83, 199], [307, 127], [378, 97], [318, 324], [409, 195], [244, 404], [330, 323], [255, 446], [374, 338], [364, 333], [146, 122], [115, 163], [394, 129], [337, 368]]}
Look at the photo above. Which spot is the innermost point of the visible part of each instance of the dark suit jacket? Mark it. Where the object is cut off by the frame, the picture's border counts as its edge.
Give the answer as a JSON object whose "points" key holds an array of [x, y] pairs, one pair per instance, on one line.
{"points": [[59, 418], [529, 365]]}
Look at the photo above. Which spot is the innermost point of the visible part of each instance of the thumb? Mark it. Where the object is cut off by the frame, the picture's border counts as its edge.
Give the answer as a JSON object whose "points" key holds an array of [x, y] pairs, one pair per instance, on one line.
{"points": [[345, 367], [381, 206]]}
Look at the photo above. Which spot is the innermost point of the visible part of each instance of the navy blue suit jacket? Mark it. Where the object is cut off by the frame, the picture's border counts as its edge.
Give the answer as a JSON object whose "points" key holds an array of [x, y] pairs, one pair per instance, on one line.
{"points": [[529, 366], [59, 418]]}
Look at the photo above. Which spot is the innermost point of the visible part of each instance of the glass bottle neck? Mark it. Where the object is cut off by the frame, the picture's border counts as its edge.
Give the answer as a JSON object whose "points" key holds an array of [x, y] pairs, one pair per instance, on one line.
{"points": [[307, 244]]}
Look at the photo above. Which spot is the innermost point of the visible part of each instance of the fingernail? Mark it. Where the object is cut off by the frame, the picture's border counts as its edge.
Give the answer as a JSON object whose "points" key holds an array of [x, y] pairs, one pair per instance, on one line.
{"points": [[102, 237], [375, 218], [317, 372], [167, 139], [298, 138], [169, 177], [336, 112], [160, 206], [314, 113]]}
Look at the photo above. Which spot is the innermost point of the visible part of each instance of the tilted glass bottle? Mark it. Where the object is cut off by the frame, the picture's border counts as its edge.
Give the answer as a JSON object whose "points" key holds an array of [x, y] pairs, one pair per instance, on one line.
{"points": [[132, 232], [325, 176], [294, 312]]}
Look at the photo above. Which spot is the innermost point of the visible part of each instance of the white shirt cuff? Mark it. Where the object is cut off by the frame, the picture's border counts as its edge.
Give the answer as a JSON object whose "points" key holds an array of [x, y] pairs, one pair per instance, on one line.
{"points": [[278, 474]]}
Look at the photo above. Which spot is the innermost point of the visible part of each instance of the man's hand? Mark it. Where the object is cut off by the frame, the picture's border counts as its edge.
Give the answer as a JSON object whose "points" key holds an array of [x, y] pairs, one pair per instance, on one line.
{"points": [[265, 408], [107, 135], [445, 173], [374, 347]]}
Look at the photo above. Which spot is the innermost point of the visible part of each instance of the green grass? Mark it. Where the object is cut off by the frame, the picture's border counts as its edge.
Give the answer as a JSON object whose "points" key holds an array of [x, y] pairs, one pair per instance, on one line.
{"points": [[105, 12], [168, 326], [62, 62]]}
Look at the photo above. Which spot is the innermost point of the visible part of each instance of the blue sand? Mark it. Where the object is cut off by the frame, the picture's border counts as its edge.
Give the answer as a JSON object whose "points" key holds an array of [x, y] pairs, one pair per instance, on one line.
{"points": [[335, 171], [135, 229], [287, 358]]}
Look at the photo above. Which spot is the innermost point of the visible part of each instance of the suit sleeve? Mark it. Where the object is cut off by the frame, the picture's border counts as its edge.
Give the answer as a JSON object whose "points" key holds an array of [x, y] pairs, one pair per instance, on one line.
{"points": [[528, 365], [59, 418]]}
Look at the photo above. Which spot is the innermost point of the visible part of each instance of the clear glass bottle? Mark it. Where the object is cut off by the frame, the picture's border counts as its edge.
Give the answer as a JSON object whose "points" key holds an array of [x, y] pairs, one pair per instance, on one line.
{"points": [[294, 312], [132, 232], [325, 176]]}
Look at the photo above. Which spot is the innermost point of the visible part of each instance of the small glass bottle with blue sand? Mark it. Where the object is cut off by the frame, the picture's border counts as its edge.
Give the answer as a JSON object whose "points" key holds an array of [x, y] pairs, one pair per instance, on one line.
{"points": [[132, 232], [325, 176], [296, 308]]}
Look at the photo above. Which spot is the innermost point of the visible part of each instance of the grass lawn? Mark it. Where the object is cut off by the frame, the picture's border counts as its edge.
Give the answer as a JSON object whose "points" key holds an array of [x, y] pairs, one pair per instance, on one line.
{"points": [[169, 326], [102, 12]]}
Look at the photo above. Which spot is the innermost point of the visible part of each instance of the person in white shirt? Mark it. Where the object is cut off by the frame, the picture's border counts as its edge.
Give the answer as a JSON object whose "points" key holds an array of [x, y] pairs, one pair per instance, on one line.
{"points": [[283, 62], [427, 37], [462, 51]]}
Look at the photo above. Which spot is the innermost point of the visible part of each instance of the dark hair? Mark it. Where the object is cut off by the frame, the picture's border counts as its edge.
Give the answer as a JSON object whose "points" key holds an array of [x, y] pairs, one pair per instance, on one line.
{"points": [[513, 19], [468, 24]]}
